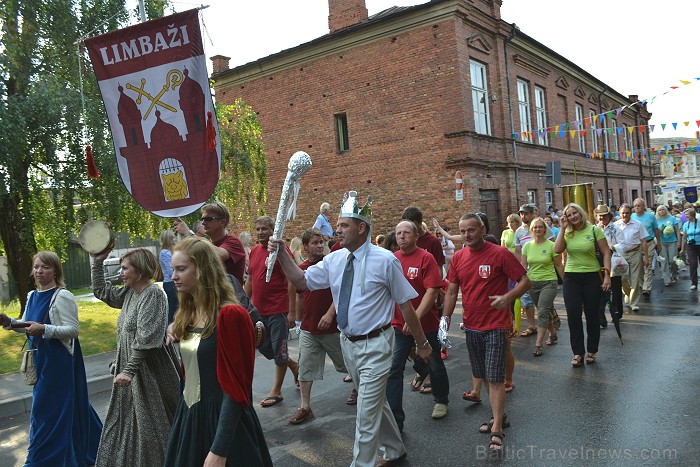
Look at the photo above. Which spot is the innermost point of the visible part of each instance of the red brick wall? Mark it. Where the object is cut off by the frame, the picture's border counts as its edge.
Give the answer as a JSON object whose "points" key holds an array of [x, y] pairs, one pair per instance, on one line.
{"points": [[410, 119]]}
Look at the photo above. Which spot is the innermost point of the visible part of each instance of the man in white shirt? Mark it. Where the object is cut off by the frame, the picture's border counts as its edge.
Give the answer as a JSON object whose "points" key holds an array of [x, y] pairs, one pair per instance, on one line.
{"points": [[633, 246], [364, 319]]}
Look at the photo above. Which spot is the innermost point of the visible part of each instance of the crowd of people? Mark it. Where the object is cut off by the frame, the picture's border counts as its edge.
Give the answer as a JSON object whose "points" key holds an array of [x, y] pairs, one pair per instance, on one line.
{"points": [[183, 372]]}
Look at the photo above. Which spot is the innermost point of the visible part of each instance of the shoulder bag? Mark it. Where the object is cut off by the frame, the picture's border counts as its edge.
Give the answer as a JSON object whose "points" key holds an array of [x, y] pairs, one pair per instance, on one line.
{"points": [[27, 367]]}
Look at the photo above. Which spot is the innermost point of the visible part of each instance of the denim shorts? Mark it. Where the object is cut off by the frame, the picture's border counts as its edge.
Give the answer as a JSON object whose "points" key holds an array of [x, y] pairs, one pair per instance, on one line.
{"points": [[526, 301]]}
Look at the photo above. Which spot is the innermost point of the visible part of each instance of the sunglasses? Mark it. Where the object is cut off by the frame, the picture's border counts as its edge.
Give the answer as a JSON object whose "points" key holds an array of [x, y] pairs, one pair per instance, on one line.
{"points": [[210, 218]]}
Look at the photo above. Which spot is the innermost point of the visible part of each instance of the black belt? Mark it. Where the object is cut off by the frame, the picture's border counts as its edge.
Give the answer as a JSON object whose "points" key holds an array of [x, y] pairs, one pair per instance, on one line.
{"points": [[633, 249], [370, 335]]}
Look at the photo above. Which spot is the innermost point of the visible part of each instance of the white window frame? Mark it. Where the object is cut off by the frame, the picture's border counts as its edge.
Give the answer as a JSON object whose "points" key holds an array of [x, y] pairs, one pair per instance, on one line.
{"points": [[579, 118], [594, 135], [532, 196], [548, 198], [524, 110], [541, 116], [480, 97], [616, 144]]}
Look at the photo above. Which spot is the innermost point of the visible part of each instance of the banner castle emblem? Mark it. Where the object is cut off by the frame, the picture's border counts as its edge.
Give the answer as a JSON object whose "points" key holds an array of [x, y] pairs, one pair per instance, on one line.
{"points": [[154, 83]]}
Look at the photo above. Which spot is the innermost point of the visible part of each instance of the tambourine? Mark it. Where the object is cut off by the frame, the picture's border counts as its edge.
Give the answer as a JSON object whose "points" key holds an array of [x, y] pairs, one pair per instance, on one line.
{"points": [[96, 237]]}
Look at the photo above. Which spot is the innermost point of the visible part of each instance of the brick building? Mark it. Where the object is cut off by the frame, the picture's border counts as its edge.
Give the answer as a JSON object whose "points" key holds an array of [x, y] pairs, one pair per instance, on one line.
{"points": [[394, 104]]}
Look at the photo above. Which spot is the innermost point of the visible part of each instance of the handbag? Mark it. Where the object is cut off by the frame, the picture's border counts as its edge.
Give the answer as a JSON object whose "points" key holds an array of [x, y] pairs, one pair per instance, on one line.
{"points": [[27, 366], [619, 265], [599, 255]]}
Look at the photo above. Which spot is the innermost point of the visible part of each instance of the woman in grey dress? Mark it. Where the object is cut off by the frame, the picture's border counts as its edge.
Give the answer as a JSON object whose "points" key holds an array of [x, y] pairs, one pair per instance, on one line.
{"points": [[146, 382]]}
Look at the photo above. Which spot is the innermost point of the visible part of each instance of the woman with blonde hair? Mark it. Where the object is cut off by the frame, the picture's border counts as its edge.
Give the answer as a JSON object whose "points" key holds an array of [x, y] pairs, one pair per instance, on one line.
{"points": [[63, 427], [508, 235], [215, 423], [297, 249], [146, 379], [542, 265], [584, 279]]}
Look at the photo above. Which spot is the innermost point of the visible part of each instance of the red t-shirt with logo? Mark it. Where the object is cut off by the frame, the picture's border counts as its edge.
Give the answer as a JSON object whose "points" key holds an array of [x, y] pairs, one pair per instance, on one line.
{"points": [[314, 305], [422, 272], [269, 298], [480, 274]]}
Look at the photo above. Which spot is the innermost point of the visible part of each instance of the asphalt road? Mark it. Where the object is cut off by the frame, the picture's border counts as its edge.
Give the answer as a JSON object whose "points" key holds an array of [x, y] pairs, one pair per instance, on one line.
{"points": [[636, 406]]}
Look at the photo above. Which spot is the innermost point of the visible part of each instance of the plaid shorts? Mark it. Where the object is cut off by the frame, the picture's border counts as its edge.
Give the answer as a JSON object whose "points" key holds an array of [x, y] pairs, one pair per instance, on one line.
{"points": [[487, 354]]}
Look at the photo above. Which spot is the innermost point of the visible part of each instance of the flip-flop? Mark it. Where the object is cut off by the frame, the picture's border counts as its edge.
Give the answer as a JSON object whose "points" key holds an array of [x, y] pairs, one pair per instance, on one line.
{"points": [[471, 397], [417, 382], [270, 401], [347, 379], [426, 389], [509, 387], [486, 427]]}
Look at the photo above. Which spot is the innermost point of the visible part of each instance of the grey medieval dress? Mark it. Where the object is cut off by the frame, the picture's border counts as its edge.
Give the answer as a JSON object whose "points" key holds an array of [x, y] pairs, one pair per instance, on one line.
{"points": [[139, 415]]}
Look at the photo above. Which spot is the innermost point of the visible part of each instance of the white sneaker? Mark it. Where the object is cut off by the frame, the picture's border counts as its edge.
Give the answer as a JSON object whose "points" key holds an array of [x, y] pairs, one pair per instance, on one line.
{"points": [[439, 410], [693, 287]]}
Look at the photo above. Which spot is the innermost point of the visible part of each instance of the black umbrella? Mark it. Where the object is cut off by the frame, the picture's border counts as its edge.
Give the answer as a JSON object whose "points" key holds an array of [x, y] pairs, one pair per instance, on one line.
{"points": [[616, 317]]}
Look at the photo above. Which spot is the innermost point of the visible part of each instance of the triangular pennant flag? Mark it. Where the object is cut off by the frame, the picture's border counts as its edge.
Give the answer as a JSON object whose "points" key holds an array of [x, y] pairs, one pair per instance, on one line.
{"points": [[619, 130], [674, 87], [595, 119], [642, 128], [576, 123], [686, 123], [572, 133], [684, 81], [663, 126], [674, 125], [610, 131], [583, 132], [651, 128], [697, 122], [618, 111], [599, 131], [630, 129]]}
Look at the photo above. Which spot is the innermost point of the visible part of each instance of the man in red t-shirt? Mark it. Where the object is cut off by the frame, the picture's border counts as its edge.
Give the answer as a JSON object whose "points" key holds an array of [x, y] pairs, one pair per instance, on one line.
{"points": [[319, 330], [275, 301], [422, 272], [483, 270], [215, 219]]}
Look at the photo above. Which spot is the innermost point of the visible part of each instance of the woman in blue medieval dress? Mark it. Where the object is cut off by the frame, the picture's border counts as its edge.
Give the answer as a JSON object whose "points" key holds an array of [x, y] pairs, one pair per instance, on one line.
{"points": [[64, 429]]}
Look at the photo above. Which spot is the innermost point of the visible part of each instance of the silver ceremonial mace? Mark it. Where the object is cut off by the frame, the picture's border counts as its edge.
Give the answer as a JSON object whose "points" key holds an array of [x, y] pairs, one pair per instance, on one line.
{"points": [[299, 164]]}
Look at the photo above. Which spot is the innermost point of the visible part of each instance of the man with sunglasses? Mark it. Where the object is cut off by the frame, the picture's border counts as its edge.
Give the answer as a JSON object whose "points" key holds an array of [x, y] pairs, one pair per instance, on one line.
{"points": [[215, 219]]}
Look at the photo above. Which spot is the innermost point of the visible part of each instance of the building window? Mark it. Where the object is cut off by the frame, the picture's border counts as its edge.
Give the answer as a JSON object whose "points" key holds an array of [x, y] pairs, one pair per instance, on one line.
{"points": [[609, 203], [600, 196], [548, 198], [594, 135], [541, 116], [635, 195], [480, 98], [524, 108], [341, 129], [532, 196], [622, 197], [579, 119], [615, 145]]}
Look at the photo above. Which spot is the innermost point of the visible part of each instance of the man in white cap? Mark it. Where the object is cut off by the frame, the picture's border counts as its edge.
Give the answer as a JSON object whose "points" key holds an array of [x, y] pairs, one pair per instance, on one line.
{"points": [[366, 282]]}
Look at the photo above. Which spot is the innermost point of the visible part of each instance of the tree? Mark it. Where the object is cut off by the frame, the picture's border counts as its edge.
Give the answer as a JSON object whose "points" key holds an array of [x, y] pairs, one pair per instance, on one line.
{"points": [[243, 183], [51, 108]]}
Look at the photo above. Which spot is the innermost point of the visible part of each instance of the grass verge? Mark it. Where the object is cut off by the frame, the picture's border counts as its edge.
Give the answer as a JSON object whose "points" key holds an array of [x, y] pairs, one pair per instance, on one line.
{"points": [[98, 331]]}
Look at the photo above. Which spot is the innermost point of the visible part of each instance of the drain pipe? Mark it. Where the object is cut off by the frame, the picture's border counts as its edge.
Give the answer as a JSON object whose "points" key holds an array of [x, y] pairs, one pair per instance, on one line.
{"points": [[605, 159], [513, 30]]}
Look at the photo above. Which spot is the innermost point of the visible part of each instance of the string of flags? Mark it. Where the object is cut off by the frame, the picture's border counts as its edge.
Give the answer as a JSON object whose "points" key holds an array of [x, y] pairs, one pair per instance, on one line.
{"points": [[597, 123]]}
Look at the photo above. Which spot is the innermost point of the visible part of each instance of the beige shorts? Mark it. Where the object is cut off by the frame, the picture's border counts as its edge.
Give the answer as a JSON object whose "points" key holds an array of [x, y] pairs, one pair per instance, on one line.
{"points": [[312, 355]]}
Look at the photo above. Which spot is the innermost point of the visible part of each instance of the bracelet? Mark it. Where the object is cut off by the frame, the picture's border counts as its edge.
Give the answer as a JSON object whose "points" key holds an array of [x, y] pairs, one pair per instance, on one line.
{"points": [[606, 270], [424, 345]]}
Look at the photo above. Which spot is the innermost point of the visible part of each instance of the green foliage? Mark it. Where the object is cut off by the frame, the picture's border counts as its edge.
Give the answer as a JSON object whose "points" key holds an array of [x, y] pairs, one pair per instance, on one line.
{"points": [[98, 330], [243, 184]]}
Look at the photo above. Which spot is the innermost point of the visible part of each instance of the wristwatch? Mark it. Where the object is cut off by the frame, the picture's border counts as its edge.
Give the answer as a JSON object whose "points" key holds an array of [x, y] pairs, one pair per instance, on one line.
{"points": [[424, 345]]}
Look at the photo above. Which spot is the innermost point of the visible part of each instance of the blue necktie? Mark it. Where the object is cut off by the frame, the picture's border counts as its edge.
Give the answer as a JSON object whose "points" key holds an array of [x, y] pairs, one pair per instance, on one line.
{"points": [[345, 290]]}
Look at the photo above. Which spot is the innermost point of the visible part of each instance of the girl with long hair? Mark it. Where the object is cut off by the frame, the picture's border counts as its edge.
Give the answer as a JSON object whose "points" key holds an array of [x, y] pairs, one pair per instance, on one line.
{"points": [[215, 423]]}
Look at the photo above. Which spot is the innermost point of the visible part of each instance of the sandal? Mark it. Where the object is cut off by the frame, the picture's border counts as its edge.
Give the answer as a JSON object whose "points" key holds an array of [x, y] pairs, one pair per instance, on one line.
{"points": [[590, 358], [528, 332], [426, 389], [552, 340], [417, 382], [577, 361], [538, 351], [496, 443], [471, 397], [486, 427]]}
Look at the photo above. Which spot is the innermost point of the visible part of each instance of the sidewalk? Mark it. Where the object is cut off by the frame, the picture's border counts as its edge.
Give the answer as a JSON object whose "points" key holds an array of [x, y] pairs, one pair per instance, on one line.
{"points": [[16, 397]]}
